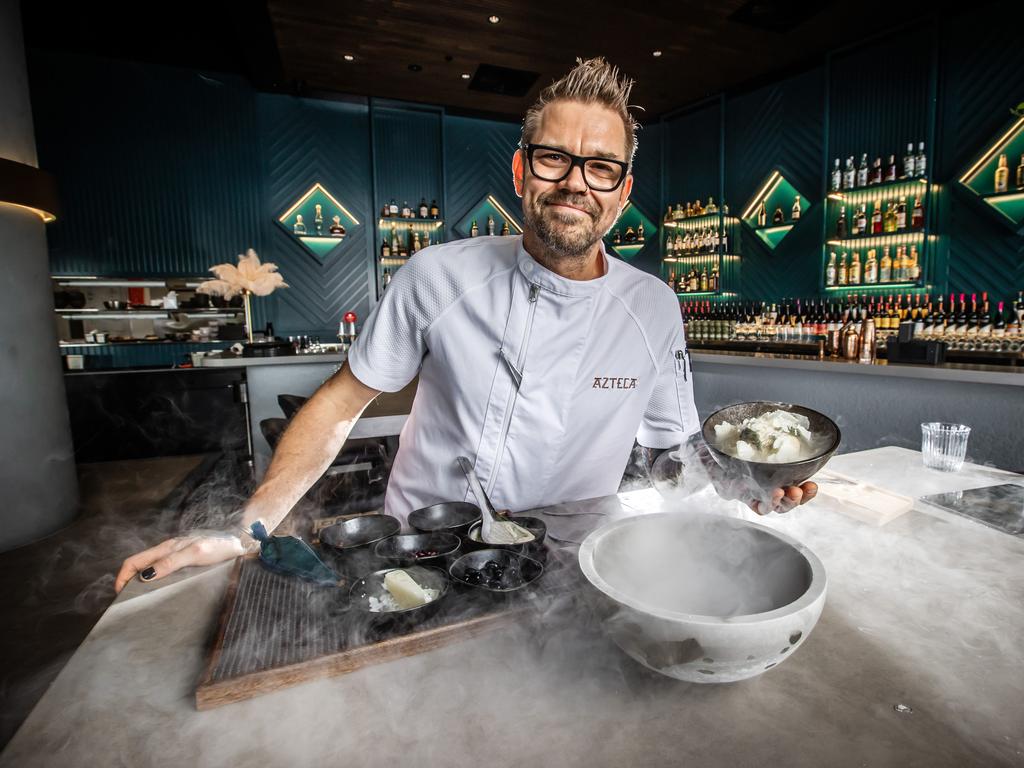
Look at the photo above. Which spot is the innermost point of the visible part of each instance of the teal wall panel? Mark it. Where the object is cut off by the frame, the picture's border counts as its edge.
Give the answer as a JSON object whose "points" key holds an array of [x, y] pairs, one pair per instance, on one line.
{"points": [[693, 155], [307, 141]]}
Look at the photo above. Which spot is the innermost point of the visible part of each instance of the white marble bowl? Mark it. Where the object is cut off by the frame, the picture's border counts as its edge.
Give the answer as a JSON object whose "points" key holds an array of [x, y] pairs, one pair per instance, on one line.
{"points": [[703, 598]]}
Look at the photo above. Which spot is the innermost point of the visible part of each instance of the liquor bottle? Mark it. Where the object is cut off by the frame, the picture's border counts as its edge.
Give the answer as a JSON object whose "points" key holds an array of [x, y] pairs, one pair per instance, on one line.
{"points": [[885, 267], [837, 177], [1002, 175], [862, 220], [694, 280], [890, 169], [416, 244], [871, 269], [299, 228], [841, 223], [385, 211], [917, 216], [901, 215], [961, 318], [876, 171], [862, 171], [385, 279], [1020, 173], [318, 218], [972, 317], [830, 270], [909, 162], [714, 282], [424, 210], [778, 217], [889, 221], [616, 237], [876, 218], [795, 212], [844, 272], [850, 174], [985, 317], [393, 206], [490, 225], [762, 215], [406, 210], [915, 265], [999, 326], [385, 249], [505, 230], [474, 230], [639, 231], [395, 251], [921, 163], [337, 230], [919, 320], [434, 212], [855, 270], [725, 241], [712, 208], [411, 239], [704, 278], [672, 279], [630, 236]]}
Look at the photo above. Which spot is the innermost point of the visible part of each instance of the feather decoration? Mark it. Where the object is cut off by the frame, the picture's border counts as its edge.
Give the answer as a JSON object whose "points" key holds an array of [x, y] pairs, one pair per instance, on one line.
{"points": [[249, 276]]}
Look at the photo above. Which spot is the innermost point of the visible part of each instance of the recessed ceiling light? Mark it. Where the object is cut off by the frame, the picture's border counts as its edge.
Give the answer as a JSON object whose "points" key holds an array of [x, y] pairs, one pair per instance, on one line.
{"points": [[349, 57], [465, 75], [415, 68], [494, 19], [655, 54]]}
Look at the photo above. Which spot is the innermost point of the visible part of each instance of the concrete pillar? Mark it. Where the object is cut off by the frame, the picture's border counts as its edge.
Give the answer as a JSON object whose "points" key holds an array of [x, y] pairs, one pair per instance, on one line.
{"points": [[38, 485]]}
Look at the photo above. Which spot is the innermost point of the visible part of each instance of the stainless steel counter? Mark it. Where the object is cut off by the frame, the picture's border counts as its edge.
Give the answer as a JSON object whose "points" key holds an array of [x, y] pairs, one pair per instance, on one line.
{"points": [[926, 612]]}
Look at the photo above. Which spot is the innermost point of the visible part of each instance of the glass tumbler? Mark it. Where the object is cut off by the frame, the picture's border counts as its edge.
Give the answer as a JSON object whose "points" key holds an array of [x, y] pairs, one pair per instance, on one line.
{"points": [[944, 445]]}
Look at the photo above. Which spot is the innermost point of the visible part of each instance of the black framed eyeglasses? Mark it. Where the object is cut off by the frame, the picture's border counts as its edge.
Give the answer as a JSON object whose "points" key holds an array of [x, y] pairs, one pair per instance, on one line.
{"points": [[601, 174]]}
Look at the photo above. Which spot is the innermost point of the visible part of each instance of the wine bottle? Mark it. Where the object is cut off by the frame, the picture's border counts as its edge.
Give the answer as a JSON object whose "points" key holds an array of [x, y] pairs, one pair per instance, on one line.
{"points": [[999, 325], [909, 161], [1002, 175], [862, 171]]}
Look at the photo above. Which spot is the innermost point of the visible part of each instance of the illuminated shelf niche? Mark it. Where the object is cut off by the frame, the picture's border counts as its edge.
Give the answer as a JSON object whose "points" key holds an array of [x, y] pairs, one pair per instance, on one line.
{"points": [[979, 178], [775, 192], [319, 244]]}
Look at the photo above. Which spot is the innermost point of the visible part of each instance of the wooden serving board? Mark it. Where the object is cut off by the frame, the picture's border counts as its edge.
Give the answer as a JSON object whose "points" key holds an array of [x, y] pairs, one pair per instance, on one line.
{"points": [[276, 631]]}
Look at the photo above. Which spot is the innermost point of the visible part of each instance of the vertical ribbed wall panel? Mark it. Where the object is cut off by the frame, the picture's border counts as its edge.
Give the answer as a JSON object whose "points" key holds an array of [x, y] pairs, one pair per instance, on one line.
{"points": [[158, 168], [778, 126], [478, 162], [692, 155], [407, 154], [981, 82], [646, 193], [307, 141]]}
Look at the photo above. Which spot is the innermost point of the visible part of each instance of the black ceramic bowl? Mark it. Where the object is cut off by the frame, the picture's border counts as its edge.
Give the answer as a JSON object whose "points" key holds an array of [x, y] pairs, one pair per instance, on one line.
{"points": [[359, 532], [401, 550], [766, 475], [519, 570], [372, 585], [534, 525], [449, 516]]}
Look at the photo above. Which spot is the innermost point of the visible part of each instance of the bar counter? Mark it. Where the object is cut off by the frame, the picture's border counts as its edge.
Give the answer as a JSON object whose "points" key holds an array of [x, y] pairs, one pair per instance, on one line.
{"points": [[925, 612]]}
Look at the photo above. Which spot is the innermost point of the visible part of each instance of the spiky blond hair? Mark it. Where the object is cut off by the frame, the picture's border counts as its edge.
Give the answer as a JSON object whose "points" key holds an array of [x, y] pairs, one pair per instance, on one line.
{"points": [[591, 81]]}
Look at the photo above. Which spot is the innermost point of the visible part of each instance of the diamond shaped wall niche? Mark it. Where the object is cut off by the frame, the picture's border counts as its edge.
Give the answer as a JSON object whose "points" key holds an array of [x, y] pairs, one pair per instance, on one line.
{"points": [[488, 207], [633, 230], [317, 221], [775, 194], [1002, 190]]}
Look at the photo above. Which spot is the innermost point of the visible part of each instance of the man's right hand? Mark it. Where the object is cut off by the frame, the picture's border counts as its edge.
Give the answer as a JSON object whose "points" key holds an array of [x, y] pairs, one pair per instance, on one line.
{"points": [[173, 554]]}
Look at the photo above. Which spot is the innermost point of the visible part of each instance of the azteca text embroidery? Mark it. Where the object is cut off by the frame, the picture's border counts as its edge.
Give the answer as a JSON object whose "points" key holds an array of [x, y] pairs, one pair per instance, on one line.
{"points": [[612, 382]]}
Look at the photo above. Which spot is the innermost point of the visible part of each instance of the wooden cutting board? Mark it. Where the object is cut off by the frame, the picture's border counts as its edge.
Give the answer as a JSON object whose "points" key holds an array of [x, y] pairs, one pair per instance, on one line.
{"points": [[275, 631]]}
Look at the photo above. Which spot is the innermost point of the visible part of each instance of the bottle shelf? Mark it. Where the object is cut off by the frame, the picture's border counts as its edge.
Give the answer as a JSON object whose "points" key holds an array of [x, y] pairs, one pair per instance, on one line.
{"points": [[864, 193], [430, 223], [870, 286], [704, 217], [882, 238], [628, 247], [691, 294], [700, 257]]}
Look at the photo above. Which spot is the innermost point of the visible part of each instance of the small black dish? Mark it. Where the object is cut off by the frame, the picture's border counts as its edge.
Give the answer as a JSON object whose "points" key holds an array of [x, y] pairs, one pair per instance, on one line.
{"points": [[534, 549], [372, 585], [449, 516], [358, 532], [409, 548], [498, 571]]}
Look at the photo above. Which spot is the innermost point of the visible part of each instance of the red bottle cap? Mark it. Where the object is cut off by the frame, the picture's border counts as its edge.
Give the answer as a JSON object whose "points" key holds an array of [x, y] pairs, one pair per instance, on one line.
{"points": [[350, 317]]}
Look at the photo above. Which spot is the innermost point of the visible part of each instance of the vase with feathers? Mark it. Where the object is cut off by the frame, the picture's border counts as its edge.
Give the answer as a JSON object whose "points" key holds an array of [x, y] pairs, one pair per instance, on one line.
{"points": [[248, 278]]}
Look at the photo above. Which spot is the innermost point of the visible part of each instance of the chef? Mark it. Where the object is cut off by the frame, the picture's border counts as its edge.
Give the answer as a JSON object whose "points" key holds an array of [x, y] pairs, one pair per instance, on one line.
{"points": [[540, 357]]}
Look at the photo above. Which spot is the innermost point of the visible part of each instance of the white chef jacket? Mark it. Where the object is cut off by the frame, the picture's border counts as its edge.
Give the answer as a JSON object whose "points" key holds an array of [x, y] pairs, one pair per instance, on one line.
{"points": [[543, 382]]}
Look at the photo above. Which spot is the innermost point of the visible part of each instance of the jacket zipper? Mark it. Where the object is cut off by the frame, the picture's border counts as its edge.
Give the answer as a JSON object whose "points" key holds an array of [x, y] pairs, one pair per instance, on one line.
{"points": [[517, 377]]}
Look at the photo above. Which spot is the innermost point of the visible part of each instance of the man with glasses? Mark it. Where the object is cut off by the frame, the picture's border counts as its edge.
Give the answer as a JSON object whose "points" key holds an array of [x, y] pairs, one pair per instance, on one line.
{"points": [[539, 357]]}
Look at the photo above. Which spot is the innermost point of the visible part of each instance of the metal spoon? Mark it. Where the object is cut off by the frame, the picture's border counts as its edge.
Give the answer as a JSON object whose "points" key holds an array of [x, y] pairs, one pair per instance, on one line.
{"points": [[492, 531]]}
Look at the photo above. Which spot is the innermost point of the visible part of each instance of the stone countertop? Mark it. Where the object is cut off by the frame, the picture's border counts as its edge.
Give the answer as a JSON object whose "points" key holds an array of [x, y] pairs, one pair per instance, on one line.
{"points": [[977, 374], [218, 360], [926, 612]]}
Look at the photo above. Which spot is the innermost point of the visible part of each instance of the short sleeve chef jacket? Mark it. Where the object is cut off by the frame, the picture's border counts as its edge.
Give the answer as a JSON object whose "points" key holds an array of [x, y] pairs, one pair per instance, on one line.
{"points": [[542, 381]]}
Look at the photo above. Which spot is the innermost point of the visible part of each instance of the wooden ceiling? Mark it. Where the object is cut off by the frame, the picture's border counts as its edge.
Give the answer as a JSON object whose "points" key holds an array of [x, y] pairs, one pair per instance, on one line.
{"points": [[299, 46]]}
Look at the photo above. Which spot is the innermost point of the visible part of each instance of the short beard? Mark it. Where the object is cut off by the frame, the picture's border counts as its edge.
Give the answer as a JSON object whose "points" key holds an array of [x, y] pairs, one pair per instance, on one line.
{"points": [[561, 241]]}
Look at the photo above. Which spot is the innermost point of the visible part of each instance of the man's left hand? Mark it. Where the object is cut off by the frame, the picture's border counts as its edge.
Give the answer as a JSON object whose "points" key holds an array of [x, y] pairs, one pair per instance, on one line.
{"points": [[785, 499]]}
